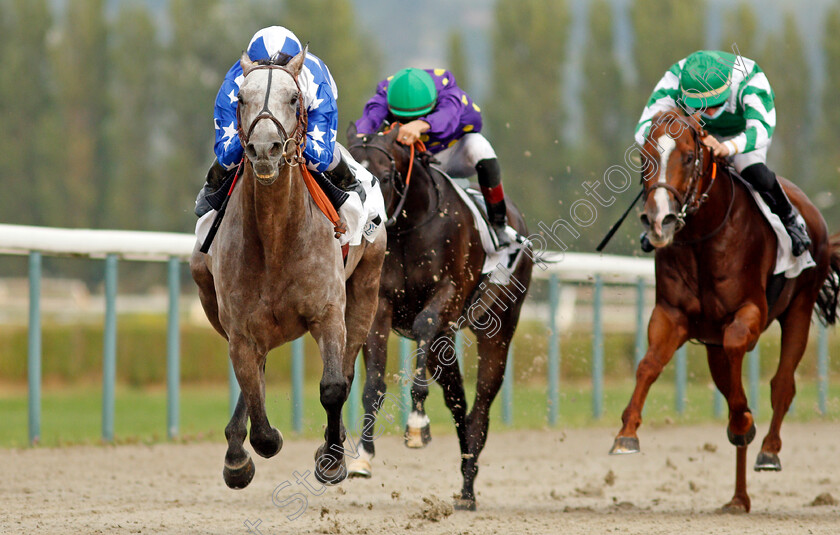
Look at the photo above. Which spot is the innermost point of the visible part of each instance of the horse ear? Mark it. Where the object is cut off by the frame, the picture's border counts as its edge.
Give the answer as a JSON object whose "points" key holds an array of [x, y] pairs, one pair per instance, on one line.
{"points": [[351, 130], [296, 63], [391, 136], [246, 63]]}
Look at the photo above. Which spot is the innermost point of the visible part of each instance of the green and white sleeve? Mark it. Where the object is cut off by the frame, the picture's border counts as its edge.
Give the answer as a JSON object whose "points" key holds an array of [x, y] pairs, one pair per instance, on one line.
{"points": [[756, 98], [664, 97]]}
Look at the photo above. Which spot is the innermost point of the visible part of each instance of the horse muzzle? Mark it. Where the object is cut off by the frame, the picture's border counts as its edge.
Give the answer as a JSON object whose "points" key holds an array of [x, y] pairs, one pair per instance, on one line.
{"points": [[661, 232]]}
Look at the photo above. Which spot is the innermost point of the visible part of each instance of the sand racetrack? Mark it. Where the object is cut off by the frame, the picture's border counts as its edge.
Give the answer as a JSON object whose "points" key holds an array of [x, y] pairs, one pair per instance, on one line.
{"points": [[530, 482]]}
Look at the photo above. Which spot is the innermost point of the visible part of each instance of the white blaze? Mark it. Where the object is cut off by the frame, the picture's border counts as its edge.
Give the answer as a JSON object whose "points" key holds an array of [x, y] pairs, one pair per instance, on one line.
{"points": [[661, 194]]}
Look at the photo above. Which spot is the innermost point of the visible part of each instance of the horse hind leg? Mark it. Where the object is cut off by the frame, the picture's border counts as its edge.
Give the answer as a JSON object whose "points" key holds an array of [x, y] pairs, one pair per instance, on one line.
{"points": [[375, 353], [795, 326]]}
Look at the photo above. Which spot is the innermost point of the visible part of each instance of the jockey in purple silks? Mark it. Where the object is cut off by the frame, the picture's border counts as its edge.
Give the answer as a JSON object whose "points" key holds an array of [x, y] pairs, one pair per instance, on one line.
{"points": [[322, 156], [439, 113]]}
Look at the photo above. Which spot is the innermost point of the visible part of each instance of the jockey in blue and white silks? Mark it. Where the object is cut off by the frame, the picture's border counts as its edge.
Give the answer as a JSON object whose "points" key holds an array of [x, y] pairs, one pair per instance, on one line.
{"points": [[330, 166], [319, 93]]}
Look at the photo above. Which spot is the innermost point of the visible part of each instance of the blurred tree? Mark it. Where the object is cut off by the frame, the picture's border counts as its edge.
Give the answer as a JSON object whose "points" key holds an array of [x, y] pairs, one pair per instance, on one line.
{"points": [[200, 52], [523, 116], [132, 119], [786, 68], [352, 56], [825, 190], [81, 72], [606, 131], [457, 60], [665, 31], [739, 27], [31, 149]]}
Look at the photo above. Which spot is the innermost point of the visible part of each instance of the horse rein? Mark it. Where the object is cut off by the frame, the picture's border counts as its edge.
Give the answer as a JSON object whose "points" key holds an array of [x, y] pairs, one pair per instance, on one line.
{"points": [[292, 145], [691, 203], [394, 174]]}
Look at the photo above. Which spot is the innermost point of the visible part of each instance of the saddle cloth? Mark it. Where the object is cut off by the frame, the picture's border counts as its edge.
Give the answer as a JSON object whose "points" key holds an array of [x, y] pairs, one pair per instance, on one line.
{"points": [[786, 263], [498, 264]]}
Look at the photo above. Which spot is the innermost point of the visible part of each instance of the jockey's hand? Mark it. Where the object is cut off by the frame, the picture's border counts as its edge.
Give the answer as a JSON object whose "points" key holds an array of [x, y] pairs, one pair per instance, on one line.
{"points": [[410, 132], [718, 148]]}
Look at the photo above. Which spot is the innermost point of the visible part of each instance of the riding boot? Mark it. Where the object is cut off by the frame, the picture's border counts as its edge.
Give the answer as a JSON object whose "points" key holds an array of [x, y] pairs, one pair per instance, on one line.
{"points": [[216, 176], [787, 212], [765, 182], [343, 177], [490, 180]]}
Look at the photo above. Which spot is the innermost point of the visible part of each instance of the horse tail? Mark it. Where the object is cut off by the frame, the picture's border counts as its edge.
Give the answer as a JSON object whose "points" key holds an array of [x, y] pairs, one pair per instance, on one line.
{"points": [[827, 299]]}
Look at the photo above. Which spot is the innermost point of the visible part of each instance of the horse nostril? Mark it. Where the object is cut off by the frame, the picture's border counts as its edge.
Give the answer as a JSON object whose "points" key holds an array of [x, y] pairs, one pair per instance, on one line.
{"points": [[645, 220], [250, 151], [275, 149], [669, 219]]}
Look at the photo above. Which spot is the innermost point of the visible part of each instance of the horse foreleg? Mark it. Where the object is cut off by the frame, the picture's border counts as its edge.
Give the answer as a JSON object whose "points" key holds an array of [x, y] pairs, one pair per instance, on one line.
{"points": [[239, 467], [330, 333], [425, 327], [795, 326], [667, 331], [739, 336], [375, 353], [249, 366]]}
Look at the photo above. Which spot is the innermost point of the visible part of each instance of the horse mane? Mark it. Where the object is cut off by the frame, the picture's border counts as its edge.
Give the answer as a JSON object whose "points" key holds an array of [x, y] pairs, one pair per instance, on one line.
{"points": [[279, 58]]}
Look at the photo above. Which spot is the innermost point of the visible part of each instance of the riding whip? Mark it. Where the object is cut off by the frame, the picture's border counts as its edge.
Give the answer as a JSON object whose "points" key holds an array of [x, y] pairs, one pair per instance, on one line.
{"points": [[618, 223]]}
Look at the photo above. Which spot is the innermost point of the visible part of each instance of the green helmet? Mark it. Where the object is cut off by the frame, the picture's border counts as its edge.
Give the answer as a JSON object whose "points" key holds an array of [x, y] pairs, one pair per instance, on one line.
{"points": [[705, 81], [411, 93]]}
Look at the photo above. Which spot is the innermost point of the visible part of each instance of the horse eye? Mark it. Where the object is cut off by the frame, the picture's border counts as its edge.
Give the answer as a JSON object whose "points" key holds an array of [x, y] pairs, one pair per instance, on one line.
{"points": [[294, 99], [241, 100]]}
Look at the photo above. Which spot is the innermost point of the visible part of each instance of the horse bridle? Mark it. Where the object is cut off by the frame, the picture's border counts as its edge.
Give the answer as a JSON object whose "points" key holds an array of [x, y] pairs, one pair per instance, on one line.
{"points": [[292, 145], [691, 203], [395, 175]]}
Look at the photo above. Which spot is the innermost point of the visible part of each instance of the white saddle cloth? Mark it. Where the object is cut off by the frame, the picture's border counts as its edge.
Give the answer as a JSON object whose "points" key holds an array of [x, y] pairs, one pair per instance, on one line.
{"points": [[786, 263], [499, 264]]}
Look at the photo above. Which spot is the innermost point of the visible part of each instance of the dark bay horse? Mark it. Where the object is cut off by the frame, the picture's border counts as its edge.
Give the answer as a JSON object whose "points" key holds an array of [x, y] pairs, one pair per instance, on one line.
{"points": [[715, 260], [276, 272], [432, 286]]}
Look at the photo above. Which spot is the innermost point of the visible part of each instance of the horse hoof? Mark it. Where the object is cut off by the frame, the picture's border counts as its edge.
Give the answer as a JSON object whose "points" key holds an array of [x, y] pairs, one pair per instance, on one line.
{"points": [[270, 446], [463, 504], [418, 437], [737, 506], [328, 469], [359, 468], [239, 477], [767, 462], [741, 440], [625, 445]]}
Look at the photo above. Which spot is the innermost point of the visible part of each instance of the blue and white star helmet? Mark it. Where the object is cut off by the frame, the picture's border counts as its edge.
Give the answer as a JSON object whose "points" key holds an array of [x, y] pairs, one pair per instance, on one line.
{"points": [[271, 40]]}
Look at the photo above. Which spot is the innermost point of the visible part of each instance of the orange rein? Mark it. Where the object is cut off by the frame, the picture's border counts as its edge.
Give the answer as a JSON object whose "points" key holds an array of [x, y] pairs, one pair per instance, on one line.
{"points": [[418, 145], [322, 202]]}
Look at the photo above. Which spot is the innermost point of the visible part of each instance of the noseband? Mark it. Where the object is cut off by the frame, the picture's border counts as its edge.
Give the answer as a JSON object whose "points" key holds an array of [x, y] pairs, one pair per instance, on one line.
{"points": [[694, 199], [292, 145]]}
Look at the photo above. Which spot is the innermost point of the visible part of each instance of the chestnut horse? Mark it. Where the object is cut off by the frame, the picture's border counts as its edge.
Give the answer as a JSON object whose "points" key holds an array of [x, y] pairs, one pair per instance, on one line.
{"points": [[715, 260], [276, 272], [432, 286]]}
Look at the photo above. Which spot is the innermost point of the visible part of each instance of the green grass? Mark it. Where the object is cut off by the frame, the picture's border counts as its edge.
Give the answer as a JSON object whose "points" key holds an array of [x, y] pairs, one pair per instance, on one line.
{"points": [[72, 415]]}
